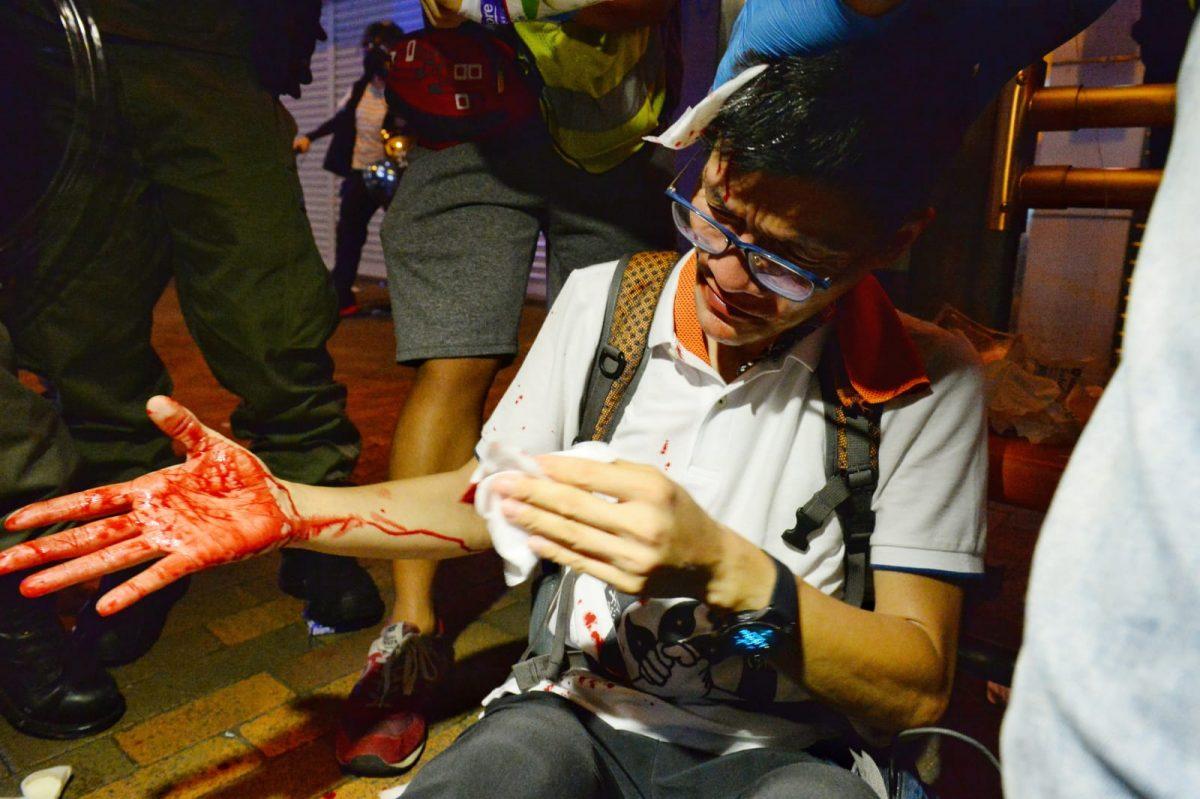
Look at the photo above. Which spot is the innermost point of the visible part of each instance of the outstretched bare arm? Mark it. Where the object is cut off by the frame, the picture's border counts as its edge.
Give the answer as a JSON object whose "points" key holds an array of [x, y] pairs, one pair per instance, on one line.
{"points": [[222, 505]]}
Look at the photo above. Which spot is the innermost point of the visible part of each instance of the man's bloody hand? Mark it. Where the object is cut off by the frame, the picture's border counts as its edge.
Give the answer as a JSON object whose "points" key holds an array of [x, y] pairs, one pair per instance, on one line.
{"points": [[220, 505]]}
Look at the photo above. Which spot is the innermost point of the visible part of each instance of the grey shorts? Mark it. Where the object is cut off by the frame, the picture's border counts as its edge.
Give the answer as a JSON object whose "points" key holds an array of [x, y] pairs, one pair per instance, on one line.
{"points": [[460, 236]]}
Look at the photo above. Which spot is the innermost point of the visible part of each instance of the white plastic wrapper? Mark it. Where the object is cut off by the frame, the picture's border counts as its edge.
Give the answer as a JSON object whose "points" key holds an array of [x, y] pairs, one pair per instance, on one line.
{"points": [[46, 784], [1040, 401]]}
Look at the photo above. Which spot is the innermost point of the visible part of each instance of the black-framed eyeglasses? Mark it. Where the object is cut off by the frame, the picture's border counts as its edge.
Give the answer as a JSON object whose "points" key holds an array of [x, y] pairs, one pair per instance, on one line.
{"points": [[771, 271]]}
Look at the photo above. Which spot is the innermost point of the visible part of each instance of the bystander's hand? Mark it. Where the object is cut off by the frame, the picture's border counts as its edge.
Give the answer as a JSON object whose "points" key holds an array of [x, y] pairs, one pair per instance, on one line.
{"points": [[443, 13], [773, 29], [654, 540], [218, 506], [301, 144]]}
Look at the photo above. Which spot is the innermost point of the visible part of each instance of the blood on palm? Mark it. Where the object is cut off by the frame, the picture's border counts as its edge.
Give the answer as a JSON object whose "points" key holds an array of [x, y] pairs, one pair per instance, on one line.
{"points": [[228, 495], [220, 505], [205, 499]]}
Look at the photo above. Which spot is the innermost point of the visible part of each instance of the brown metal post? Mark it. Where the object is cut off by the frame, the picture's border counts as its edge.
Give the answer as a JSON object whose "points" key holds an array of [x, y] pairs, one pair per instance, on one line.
{"points": [[1078, 107], [1015, 143], [1069, 187]]}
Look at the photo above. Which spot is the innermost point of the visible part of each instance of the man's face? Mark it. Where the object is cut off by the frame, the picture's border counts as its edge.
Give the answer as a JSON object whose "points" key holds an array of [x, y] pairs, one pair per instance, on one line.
{"points": [[813, 226]]}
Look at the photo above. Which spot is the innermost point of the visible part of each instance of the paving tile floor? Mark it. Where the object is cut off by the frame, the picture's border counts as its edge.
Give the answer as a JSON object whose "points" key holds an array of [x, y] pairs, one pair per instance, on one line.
{"points": [[236, 700]]}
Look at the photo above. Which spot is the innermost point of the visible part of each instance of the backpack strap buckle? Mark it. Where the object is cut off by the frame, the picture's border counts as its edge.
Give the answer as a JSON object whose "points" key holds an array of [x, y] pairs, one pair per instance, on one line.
{"points": [[611, 362], [531, 671], [862, 476]]}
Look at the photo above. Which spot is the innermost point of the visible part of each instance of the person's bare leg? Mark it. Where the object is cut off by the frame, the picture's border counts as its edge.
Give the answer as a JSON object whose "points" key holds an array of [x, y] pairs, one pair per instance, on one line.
{"points": [[437, 431]]}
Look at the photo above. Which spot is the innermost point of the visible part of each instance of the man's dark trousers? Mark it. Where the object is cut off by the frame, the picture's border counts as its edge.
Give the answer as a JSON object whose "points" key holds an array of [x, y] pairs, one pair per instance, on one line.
{"points": [[213, 201]]}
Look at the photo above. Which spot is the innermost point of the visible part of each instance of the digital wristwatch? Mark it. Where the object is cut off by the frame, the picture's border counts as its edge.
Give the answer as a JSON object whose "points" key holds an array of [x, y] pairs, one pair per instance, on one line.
{"points": [[754, 634]]}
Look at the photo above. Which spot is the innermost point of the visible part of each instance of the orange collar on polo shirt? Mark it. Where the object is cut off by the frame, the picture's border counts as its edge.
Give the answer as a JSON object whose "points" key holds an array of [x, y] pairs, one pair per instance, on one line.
{"points": [[881, 360]]}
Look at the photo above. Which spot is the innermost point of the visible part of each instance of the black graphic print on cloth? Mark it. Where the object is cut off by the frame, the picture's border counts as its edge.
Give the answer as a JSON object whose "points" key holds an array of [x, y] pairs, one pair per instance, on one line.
{"points": [[643, 643]]}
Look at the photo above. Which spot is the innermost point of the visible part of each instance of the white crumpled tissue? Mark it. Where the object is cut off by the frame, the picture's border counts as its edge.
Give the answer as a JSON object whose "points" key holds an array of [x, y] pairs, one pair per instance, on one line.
{"points": [[510, 541], [45, 784], [692, 122]]}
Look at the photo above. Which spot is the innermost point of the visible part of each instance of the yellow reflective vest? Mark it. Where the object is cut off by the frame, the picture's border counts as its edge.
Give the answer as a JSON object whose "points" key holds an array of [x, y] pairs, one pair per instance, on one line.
{"points": [[602, 91]]}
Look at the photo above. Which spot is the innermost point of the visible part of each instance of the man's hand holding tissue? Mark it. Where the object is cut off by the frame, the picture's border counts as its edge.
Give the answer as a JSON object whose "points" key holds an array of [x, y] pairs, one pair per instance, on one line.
{"points": [[649, 539]]}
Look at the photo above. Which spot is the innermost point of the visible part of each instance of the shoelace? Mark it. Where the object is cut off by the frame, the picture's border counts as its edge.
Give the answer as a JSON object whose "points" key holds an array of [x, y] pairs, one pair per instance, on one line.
{"points": [[414, 659]]}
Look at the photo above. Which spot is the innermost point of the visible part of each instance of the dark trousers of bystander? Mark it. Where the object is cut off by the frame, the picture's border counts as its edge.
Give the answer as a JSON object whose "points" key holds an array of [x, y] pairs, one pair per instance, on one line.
{"points": [[358, 205], [211, 200]]}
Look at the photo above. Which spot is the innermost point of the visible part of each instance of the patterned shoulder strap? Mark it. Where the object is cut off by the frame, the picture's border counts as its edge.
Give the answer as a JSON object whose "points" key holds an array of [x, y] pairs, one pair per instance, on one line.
{"points": [[852, 436], [619, 362]]}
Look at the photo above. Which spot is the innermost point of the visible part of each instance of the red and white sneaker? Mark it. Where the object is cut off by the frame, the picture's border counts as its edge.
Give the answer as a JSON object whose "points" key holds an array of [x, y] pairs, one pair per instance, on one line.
{"points": [[383, 727]]}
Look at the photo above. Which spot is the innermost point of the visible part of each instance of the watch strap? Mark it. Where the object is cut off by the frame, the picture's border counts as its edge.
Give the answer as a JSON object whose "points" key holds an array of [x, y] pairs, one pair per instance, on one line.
{"points": [[785, 599]]}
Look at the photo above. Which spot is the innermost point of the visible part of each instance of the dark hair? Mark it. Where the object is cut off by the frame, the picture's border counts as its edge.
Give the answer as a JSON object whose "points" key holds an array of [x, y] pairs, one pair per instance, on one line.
{"points": [[857, 118], [384, 32]]}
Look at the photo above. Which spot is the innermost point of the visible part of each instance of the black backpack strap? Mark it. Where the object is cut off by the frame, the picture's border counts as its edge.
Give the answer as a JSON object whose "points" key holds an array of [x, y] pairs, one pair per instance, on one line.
{"points": [[542, 662], [616, 368], [619, 360], [852, 438]]}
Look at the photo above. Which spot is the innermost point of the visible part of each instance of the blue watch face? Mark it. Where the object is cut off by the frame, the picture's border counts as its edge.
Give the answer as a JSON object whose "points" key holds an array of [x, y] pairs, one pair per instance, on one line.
{"points": [[754, 639]]}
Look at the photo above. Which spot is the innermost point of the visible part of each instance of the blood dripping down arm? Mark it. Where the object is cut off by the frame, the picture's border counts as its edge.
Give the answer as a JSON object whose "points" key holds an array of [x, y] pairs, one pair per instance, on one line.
{"points": [[420, 517], [221, 505]]}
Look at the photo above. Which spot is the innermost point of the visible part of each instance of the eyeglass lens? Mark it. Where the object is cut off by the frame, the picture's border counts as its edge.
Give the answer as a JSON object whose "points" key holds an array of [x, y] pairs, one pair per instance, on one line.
{"points": [[771, 274]]}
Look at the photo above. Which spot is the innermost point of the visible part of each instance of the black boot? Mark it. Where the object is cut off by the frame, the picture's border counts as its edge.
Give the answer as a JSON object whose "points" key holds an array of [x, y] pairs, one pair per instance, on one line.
{"points": [[340, 593], [48, 688], [125, 636]]}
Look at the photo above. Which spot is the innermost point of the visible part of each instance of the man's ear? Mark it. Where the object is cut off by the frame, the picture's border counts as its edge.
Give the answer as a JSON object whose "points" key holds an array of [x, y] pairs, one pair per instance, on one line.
{"points": [[899, 242]]}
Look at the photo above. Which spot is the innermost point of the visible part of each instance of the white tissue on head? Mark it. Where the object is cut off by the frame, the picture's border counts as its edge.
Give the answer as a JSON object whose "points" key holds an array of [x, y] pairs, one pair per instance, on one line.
{"points": [[687, 129]]}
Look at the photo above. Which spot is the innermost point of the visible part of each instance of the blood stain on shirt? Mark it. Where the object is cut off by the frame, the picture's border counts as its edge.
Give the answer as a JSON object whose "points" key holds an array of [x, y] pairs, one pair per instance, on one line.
{"points": [[589, 621], [666, 444]]}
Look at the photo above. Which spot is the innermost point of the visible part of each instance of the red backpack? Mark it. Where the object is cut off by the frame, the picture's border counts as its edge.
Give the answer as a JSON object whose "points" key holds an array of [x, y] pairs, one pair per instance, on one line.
{"points": [[461, 84]]}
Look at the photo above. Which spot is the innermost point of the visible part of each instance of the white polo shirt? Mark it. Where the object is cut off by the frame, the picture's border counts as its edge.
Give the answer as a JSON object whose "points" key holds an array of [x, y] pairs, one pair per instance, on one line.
{"points": [[750, 452]]}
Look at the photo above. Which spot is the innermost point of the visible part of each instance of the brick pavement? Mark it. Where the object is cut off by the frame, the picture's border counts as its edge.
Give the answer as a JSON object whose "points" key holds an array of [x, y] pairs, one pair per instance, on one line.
{"points": [[236, 700]]}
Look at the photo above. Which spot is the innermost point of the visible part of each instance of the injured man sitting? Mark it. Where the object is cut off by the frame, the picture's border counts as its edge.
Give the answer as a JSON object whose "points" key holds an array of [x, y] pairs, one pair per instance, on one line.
{"points": [[774, 419]]}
